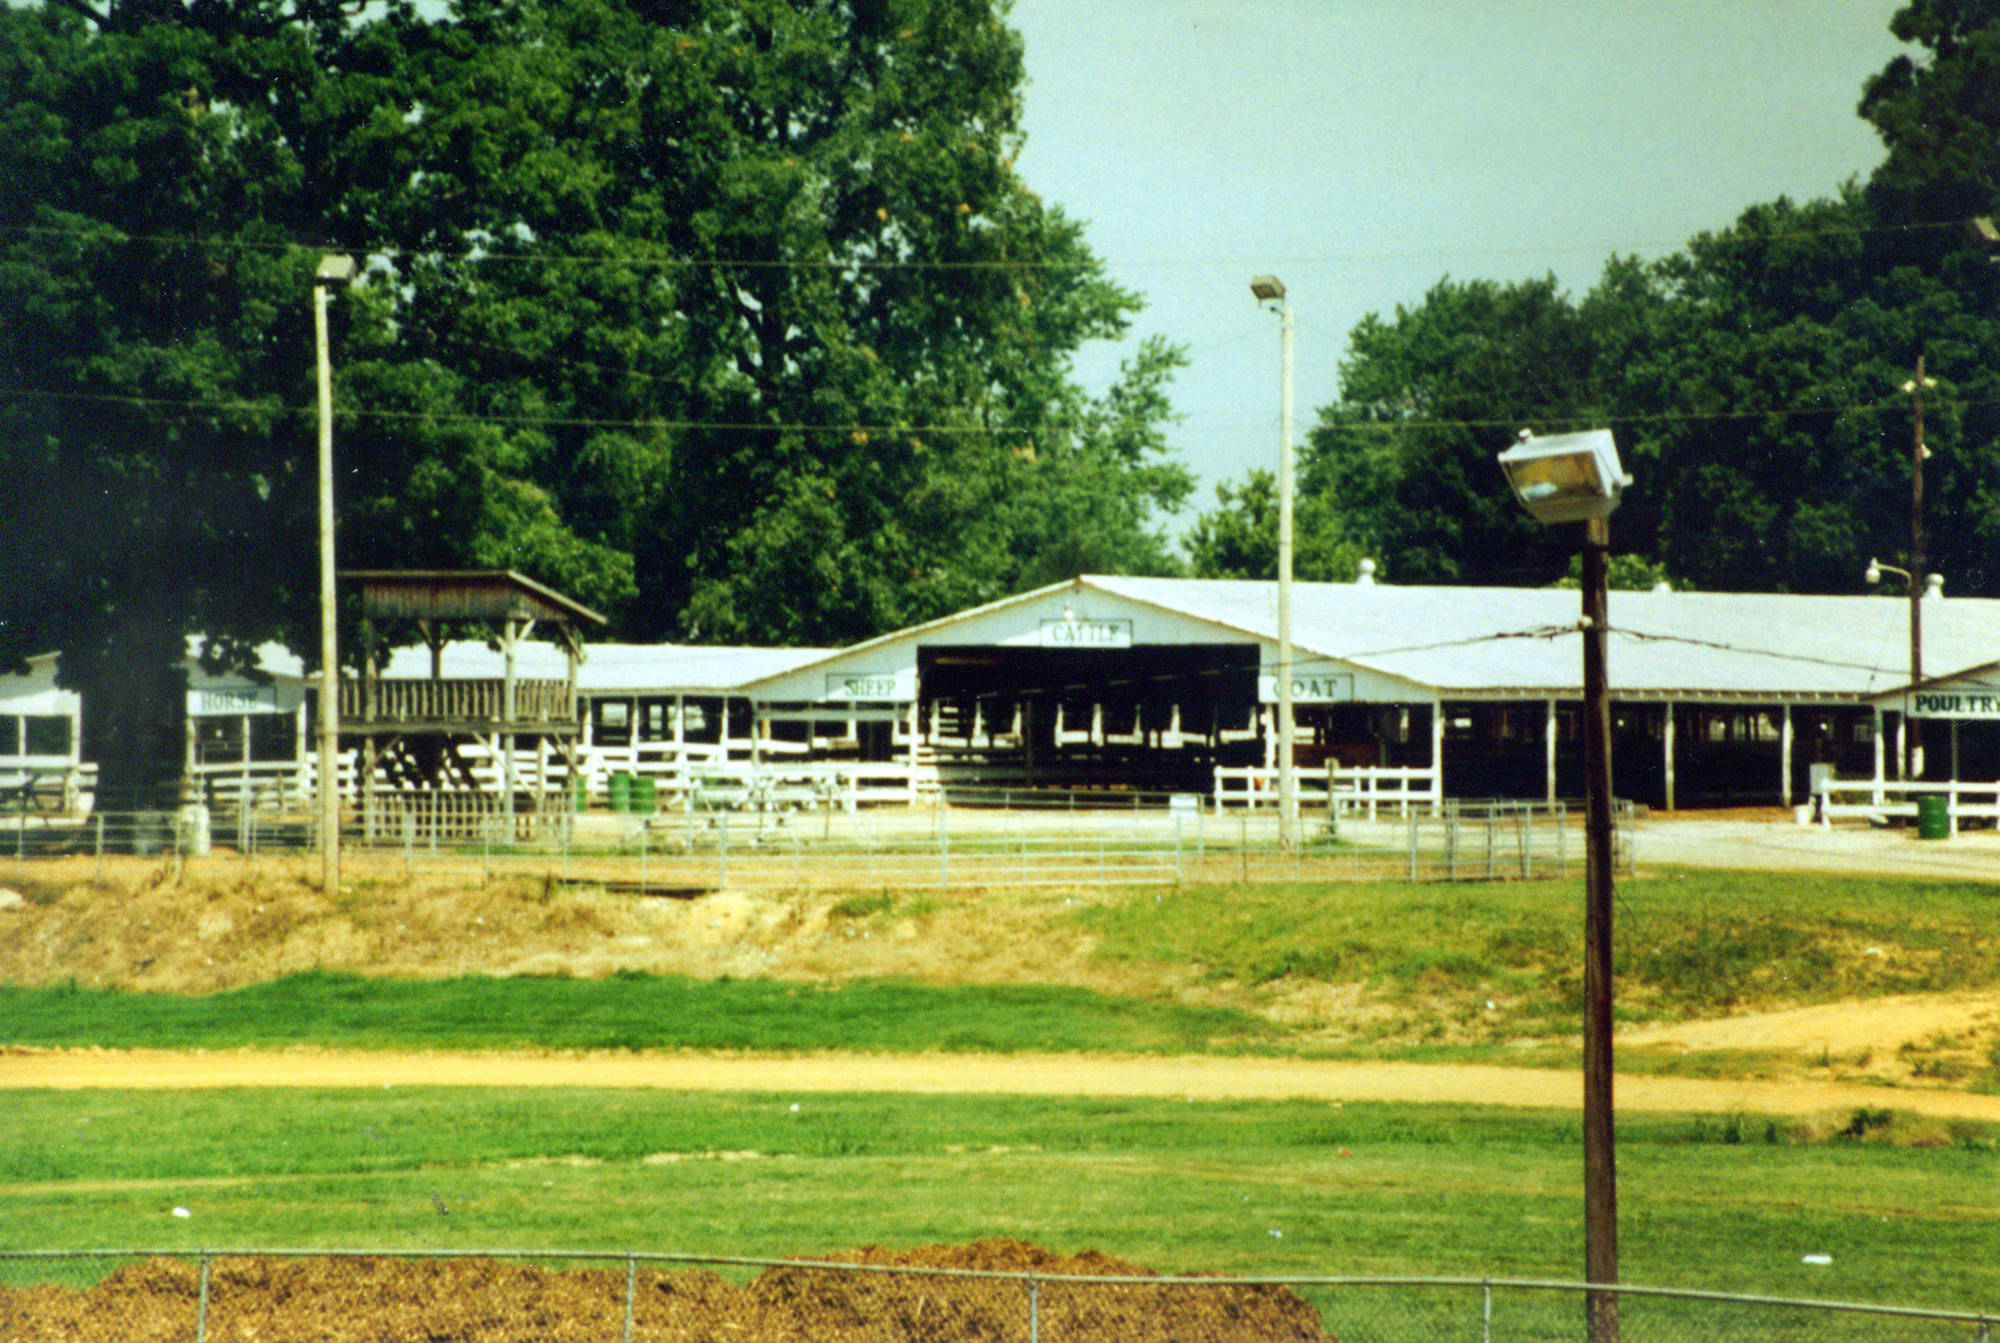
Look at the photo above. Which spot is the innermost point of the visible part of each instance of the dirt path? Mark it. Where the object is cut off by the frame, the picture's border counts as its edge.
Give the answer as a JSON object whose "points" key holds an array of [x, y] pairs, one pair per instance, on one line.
{"points": [[1881, 1025], [1196, 1078]]}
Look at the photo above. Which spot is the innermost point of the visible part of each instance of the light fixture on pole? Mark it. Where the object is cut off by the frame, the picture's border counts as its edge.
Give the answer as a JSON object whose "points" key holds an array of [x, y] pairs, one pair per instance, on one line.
{"points": [[333, 269], [1269, 289], [1913, 750], [1578, 478]]}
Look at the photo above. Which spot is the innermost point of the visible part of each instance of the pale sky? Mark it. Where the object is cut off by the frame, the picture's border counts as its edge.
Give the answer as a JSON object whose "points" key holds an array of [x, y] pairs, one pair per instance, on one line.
{"points": [[1364, 149]]}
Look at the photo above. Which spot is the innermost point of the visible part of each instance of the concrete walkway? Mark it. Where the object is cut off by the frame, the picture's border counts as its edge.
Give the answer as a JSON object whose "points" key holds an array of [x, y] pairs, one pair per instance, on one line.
{"points": [[1785, 845]]}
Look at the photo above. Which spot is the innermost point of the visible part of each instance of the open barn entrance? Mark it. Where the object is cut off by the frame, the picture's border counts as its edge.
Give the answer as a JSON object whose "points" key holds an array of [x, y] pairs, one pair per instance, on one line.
{"points": [[1152, 718]]}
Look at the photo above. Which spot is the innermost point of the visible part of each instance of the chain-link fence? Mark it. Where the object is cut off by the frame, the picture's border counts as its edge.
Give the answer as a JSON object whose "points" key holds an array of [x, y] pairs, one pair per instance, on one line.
{"points": [[274, 1297], [902, 848]]}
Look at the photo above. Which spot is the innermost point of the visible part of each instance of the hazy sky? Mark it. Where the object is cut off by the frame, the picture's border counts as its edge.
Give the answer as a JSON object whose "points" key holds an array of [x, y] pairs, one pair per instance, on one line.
{"points": [[1364, 149]]}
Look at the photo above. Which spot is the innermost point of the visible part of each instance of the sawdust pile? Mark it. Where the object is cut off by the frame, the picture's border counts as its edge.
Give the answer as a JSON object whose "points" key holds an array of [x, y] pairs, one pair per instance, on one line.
{"points": [[386, 1300]]}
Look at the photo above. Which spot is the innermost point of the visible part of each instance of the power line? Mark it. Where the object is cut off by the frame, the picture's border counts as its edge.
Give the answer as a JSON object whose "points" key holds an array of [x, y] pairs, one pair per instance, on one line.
{"points": [[482, 252], [520, 421], [351, 412]]}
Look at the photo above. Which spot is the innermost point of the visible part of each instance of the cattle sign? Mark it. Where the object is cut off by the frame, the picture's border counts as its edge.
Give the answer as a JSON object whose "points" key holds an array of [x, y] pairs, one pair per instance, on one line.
{"points": [[1069, 633]]}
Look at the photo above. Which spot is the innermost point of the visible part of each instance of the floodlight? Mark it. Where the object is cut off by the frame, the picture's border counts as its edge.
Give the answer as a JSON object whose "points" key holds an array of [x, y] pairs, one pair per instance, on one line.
{"points": [[334, 268], [1566, 477]]}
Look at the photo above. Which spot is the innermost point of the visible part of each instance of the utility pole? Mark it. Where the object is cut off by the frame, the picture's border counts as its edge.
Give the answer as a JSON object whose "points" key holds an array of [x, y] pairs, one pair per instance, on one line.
{"points": [[1269, 289], [1600, 1161], [1288, 777], [332, 270], [1578, 478], [1913, 741]]}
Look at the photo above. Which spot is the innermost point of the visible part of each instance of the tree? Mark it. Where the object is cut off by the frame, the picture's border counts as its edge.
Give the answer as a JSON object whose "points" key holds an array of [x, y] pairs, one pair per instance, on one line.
{"points": [[1403, 464], [172, 174], [1752, 378], [730, 316], [805, 270], [1937, 119], [1240, 538]]}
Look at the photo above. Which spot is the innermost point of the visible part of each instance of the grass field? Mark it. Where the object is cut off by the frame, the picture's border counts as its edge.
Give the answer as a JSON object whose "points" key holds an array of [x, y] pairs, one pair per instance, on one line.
{"points": [[1252, 1188], [626, 1011], [1727, 1202]]}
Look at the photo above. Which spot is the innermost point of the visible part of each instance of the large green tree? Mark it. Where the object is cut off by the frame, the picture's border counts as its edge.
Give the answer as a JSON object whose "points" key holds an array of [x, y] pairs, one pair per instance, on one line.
{"points": [[729, 316], [1403, 465], [1753, 379], [795, 332]]}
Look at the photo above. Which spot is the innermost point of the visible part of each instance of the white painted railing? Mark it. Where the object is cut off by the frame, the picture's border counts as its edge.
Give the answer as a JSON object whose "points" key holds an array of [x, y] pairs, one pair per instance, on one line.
{"points": [[1874, 799], [739, 785], [1368, 788]]}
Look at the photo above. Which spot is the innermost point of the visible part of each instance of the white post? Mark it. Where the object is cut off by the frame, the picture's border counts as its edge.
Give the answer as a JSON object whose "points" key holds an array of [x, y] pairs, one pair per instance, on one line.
{"points": [[1667, 749], [1549, 765], [507, 705], [1437, 752], [1875, 796], [1785, 759]]}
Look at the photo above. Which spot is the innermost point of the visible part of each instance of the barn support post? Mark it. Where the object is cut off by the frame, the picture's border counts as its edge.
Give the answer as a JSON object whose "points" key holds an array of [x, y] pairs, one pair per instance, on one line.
{"points": [[509, 635], [1667, 751], [1785, 758], [1437, 752], [1549, 732], [1875, 794]]}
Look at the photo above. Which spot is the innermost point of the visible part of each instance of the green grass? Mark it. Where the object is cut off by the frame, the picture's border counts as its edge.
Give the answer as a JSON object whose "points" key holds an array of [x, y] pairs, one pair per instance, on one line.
{"points": [[1688, 943], [1722, 1202], [1716, 1202], [1471, 968], [626, 1011]]}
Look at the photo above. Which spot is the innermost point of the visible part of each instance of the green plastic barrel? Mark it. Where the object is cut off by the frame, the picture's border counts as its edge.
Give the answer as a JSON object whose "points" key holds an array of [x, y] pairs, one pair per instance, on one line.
{"points": [[1933, 816], [645, 794], [580, 789], [618, 791]]}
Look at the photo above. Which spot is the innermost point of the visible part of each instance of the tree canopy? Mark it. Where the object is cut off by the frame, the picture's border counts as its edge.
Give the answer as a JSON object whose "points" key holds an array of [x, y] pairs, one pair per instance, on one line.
{"points": [[1753, 379], [731, 317]]}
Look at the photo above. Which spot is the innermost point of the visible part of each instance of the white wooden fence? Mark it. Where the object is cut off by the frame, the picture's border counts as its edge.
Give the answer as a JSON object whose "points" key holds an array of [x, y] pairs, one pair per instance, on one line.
{"points": [[1367, 789], [1880, 799]]}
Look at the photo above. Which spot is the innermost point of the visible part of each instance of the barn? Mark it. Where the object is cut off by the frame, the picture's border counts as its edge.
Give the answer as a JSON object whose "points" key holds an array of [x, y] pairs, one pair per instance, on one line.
{"points": [[1106, 687], [1169, 685]]}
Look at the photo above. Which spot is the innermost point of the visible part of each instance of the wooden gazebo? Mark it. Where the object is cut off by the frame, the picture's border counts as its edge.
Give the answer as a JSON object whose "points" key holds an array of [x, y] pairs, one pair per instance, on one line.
{"points": [[436, 736]]}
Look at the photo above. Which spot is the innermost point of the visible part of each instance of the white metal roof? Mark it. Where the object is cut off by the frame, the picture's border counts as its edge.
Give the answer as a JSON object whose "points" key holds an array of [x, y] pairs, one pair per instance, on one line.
{"points": [[1521, 641], [614, 668], [606, 668], [1455, 641]]}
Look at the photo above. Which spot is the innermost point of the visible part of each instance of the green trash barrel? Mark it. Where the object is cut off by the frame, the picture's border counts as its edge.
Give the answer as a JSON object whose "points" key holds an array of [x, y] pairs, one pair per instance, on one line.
{"points": [[645, 794], [618, 791], [1933, 816], [580, 790]]}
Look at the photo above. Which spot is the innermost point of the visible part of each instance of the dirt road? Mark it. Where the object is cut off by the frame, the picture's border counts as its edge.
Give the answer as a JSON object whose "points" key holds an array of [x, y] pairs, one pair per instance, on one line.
{"points": [[1195, 1078]]}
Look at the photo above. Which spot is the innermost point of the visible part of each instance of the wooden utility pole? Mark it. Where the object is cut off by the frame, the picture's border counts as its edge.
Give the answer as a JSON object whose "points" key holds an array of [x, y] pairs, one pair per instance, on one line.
{"points": [[1913, 741], [1600, 1164]]}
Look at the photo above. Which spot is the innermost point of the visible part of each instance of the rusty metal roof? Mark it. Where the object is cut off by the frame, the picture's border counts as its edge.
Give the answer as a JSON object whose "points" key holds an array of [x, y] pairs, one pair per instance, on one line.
{"points": [[464, 594]]}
